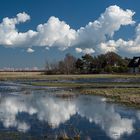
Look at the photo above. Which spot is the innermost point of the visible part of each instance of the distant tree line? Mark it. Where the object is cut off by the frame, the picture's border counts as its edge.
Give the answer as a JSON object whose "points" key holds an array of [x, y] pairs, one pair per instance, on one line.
{"points": [[88, 64]]}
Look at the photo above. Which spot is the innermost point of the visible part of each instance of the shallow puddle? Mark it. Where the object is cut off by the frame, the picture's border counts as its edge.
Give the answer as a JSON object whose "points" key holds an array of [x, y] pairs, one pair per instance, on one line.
{"points": [[45, 114]]}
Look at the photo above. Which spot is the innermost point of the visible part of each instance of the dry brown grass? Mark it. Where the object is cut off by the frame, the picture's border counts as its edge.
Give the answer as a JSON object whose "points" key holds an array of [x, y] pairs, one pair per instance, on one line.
{"points": [[19, 75], [39, 75], [127, 96]]}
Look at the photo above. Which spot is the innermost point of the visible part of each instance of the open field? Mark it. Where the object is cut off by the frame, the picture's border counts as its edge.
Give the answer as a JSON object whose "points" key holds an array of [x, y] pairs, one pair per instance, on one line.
{"points": [[40, 75], [20, 75]]}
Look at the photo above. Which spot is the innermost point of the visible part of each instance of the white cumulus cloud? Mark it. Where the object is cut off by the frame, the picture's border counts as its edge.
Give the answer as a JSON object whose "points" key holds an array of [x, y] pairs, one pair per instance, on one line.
{"points": [[85, 51], [96, 36], [30, 50], [106, 25], [55, 33], [120, 45], [9, 35]]}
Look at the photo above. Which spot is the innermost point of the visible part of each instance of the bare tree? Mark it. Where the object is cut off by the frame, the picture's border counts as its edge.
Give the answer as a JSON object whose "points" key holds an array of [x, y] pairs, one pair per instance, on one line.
{"points": [[69, 63]]}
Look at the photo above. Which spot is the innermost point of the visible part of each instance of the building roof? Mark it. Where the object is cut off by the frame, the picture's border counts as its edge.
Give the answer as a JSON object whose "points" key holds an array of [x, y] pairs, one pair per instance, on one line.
{"points": [[135, 62]]}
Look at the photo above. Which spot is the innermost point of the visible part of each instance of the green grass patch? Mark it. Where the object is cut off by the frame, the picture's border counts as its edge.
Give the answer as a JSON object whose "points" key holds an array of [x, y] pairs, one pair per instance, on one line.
{"points": [[94, 85]]}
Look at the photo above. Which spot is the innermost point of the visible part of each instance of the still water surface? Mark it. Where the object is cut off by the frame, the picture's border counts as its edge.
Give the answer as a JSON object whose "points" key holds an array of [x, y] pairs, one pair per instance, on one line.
{"points": [[48, 112]]}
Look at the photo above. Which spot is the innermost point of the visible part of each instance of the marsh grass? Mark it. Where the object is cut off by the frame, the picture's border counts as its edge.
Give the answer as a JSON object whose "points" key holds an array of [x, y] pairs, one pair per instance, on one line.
{"points": [[127, 96], [87, 85], [40, 75], [126, 93]]}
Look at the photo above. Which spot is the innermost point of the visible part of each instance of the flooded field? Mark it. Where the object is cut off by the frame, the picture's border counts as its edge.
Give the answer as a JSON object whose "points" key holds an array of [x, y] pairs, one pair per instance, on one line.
{"points": [[89, 80], [51, 113]]}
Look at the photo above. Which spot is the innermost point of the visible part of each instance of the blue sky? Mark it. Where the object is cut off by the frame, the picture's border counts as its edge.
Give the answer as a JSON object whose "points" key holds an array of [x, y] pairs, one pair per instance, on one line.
{"points": [[76, 14]]}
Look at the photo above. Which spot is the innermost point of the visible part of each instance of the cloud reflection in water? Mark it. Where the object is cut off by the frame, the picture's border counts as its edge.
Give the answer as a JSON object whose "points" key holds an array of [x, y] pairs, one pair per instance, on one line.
{"points": [[55, 111]]}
